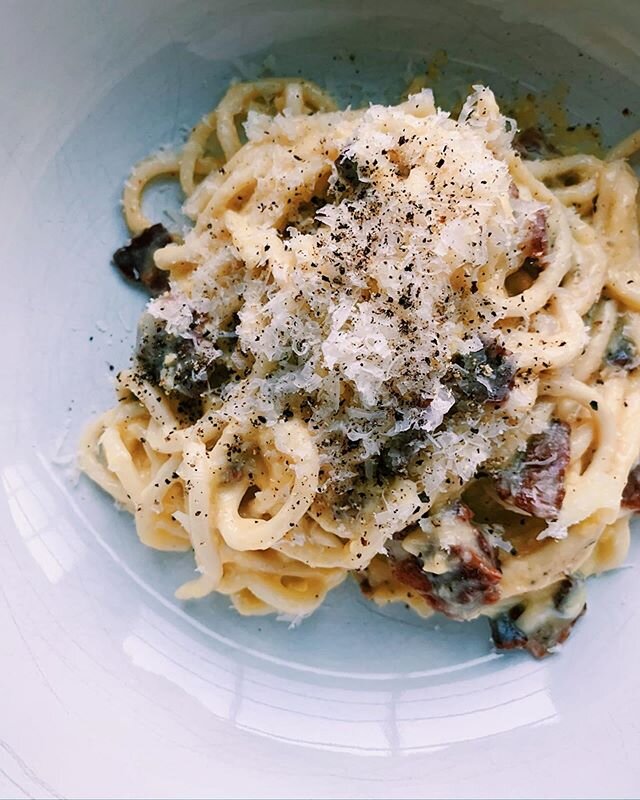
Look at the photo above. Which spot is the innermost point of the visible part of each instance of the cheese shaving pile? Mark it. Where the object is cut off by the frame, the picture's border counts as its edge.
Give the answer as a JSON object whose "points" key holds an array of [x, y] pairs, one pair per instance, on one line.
{"points": [[360, 313]]}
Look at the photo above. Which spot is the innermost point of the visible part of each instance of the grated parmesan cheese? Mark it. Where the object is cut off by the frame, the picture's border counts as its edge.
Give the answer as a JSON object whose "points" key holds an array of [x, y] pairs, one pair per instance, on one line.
{"points": [[352, 313]]}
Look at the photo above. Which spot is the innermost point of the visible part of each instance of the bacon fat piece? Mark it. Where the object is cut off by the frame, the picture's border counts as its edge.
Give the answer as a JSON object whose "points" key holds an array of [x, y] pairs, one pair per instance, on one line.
{"points": [[556, 611], [534, 482], [135, 260], [453, 566]]}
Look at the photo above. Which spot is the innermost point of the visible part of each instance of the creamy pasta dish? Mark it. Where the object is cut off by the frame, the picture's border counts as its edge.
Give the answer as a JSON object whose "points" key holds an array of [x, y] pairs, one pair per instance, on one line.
{"points": [[392, 343]]}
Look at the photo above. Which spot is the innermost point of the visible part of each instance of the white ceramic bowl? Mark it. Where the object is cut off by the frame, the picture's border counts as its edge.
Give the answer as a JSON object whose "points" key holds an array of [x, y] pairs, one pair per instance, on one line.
{"points": [[108, 686]]}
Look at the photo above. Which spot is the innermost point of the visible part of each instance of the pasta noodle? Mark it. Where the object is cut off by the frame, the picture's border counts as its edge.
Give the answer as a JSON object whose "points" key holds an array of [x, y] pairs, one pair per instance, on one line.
{"points": [[388, 345]]}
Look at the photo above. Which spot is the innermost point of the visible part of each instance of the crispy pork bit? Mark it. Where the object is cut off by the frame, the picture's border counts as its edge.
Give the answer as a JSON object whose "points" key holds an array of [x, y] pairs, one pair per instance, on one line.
{"points": [[174, 363], [534, 482], [135, 260], [486, 375], [469, 574], [347, 168], [348, 183], [505, 633], [533, 143], [621, 351], [556, 615], [534, 249], [631, 493], [536, 244]]}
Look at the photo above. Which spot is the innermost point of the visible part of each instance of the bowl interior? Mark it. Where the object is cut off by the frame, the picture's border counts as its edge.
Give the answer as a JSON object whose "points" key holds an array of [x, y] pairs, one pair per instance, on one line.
{"points": [[356, 699]]}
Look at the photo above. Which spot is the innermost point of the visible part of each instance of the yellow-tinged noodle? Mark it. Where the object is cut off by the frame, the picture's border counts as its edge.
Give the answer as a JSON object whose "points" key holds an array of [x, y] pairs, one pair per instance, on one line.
{"points": [[250, 497]]}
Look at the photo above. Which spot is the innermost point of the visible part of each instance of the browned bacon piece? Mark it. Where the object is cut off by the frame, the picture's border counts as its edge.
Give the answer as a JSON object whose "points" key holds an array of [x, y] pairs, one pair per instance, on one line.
{"points": [[471, 579], [631, 493], [176, 364], [348, 182], [135, 260], [536, 244], [621, 351], [486, 375], [534, 482], [565, 607], [533, 142]]}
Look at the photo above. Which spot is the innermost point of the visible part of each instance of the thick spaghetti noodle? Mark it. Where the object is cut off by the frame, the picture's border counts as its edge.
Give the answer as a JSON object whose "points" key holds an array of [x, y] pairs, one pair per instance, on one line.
{"points": [[389, 345]]}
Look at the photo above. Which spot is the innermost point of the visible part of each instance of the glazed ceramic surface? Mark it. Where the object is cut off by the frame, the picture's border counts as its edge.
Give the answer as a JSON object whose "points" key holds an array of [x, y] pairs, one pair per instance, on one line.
{"points": [[109, 687]]}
